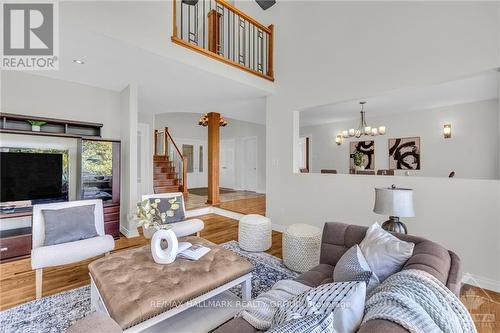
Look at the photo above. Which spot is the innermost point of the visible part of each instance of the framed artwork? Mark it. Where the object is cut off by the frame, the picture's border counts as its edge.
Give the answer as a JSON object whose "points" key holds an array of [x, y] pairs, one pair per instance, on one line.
{"points": [[404, 153], [367, 148]]}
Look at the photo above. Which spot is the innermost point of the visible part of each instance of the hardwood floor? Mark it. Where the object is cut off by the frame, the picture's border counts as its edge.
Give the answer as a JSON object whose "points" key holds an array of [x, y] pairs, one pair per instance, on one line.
{"points": [[17, 280]]}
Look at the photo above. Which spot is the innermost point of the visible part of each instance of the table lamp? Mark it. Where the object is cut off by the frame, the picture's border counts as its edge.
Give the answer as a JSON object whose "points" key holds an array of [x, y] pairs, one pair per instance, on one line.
{"points": [[394, 202]]}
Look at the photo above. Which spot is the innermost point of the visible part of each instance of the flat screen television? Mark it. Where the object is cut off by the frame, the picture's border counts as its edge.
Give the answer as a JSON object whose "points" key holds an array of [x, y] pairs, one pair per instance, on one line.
{"points": [[34, 175]]}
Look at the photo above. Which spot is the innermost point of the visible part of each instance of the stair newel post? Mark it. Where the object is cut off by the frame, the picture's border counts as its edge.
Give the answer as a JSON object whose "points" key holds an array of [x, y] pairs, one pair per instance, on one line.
{"points": [[184, 175]]}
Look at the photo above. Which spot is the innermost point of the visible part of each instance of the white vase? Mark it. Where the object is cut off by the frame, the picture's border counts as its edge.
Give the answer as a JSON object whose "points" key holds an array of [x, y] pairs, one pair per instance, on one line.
{"points": [[35, 128], [167, 255], [148, 232], [358, 168]]}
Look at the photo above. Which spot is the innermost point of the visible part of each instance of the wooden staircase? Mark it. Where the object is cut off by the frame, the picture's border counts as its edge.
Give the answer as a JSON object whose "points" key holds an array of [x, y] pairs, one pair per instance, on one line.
{"points": [[166, 178]]}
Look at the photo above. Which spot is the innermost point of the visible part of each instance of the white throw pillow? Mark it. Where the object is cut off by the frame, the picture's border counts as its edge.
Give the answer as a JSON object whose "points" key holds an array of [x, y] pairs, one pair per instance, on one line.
{"points": [[385, 253], [352, 266], [346, 300]]}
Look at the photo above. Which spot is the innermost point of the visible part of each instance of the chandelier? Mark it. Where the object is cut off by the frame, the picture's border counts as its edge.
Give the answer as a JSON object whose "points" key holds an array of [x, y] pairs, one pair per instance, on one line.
{"points": [[363, 128], [203, 121]]}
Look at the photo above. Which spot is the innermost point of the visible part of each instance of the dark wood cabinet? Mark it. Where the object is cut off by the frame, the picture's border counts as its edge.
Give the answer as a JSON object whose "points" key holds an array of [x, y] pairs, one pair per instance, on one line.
{"points": [[15, 243], [112, 220]]}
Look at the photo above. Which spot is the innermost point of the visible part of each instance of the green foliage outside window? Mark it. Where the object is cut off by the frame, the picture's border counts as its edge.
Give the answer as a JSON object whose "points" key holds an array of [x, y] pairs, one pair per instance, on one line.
{"points": [[98, 158]]}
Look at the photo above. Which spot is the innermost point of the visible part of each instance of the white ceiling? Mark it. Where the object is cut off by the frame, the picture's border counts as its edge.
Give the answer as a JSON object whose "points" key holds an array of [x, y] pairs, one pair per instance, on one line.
{"points": [[480, 87], [165, 85]]}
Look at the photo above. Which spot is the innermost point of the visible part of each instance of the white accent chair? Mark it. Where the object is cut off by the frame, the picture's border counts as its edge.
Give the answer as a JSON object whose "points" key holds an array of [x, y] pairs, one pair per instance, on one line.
{"points": [[66, 253], [183, 228]]}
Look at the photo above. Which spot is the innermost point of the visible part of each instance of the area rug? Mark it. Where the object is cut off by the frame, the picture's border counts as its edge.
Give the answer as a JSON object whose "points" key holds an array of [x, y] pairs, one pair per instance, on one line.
{"points": [[57, 312]]}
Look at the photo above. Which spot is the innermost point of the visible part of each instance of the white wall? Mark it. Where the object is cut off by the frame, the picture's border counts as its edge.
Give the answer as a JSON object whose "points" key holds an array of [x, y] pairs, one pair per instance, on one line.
{"points": [[185, 126], [472, 151], [375, 47], [29, 94]]}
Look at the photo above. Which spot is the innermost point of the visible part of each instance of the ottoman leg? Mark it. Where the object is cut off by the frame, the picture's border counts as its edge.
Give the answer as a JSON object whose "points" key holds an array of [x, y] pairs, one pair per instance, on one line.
{"points": [[246, 289]]}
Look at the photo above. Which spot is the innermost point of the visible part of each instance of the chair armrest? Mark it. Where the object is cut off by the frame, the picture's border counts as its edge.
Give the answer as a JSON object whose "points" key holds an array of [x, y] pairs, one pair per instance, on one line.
{"points": [[188, 227]]}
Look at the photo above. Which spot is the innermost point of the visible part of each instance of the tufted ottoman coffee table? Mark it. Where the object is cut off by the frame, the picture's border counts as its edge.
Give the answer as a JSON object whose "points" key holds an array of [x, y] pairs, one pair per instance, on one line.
{"points": [[139, 293]]}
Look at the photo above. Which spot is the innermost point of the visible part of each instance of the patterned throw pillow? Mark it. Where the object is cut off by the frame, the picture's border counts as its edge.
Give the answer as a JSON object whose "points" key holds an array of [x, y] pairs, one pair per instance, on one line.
{"points": [[310, 324], [345, 300], [352, 266], [173, 207]]}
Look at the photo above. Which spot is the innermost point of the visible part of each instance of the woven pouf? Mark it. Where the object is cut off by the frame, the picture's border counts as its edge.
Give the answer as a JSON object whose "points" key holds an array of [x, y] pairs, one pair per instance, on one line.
{"points": [[254, 233], [301, 246]]}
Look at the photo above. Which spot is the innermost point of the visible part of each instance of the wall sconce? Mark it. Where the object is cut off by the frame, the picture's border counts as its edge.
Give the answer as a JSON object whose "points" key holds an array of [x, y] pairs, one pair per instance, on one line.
{"points": [[339, 139], [447, 131]]}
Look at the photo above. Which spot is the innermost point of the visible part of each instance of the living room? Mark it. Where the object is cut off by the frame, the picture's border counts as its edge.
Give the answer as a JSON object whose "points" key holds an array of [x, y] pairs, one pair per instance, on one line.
{"points": [[126, 69]]}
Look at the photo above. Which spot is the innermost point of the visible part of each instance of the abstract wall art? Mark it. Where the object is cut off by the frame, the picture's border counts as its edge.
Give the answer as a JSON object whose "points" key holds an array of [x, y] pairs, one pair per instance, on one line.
{"points": [[367, 148], [404, 153]]}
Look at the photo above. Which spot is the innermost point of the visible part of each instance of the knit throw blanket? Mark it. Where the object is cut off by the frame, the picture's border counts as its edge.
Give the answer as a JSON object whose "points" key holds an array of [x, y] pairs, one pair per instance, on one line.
{"points": [[259, 312], [420, 303]]}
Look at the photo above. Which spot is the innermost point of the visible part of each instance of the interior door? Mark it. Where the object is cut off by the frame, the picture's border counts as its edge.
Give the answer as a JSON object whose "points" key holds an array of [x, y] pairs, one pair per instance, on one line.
{"points": [[227, 172], [196, 153], [250, 164]]}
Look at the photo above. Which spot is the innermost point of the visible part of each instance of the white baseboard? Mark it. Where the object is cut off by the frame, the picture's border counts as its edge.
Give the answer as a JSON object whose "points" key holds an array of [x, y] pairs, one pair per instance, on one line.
{"points": [[128, 233], [481, 282], [198, 212], [227, 213]]}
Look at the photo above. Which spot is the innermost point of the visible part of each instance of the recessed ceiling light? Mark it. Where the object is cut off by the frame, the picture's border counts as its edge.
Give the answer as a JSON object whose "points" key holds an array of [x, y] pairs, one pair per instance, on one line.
{"points": [[79, 62]]}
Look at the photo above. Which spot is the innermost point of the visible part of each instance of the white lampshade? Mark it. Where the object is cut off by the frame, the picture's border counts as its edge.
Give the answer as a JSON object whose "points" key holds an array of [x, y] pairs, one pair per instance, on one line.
{"points": [[394, 201]]}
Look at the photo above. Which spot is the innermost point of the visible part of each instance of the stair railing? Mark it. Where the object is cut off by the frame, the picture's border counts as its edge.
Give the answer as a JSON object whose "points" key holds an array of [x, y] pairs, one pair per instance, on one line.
{"points": [[223, 32], [166, 146]]}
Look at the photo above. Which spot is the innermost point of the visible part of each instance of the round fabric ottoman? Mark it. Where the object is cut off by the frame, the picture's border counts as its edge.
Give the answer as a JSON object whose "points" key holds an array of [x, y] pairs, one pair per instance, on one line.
{"points": [[301, 246], [254, 233]]}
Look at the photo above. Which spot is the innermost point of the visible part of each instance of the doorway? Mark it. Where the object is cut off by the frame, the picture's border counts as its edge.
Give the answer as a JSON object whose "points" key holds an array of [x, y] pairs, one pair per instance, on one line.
{"points": [[249, 167]]}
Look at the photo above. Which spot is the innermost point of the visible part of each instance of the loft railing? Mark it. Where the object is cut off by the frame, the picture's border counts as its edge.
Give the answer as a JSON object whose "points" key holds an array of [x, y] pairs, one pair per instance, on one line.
{"points": [[221, 31], [166, 146]]}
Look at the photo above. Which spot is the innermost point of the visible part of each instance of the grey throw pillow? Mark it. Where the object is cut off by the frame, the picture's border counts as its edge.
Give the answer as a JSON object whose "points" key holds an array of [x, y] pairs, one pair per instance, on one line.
{"points": [[69, 224], [352, 266], [173, 207]]}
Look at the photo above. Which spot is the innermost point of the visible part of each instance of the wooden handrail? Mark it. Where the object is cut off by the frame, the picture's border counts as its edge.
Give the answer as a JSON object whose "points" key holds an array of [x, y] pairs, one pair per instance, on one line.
{"points": [[173, 142], [243, 15]]}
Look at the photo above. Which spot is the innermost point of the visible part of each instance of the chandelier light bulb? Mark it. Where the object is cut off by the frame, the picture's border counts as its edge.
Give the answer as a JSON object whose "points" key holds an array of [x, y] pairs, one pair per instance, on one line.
{"points": [[381, 130], [374, 131]]}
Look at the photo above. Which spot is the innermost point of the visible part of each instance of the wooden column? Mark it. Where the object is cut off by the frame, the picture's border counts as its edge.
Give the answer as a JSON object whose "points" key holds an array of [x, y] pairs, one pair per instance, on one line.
{"points": [[213, 158]]}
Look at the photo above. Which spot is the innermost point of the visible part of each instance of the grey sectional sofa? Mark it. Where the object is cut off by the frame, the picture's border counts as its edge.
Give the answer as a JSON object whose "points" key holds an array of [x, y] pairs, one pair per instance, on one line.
{"points": [[338, 238]]}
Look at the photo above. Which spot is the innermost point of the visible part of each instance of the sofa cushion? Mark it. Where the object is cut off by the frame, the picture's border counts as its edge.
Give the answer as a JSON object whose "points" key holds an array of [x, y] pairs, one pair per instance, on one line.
{"points": [[173, 207], [69, 224], [384, 252], [319, 274], [345, 299], [353, 266]]}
